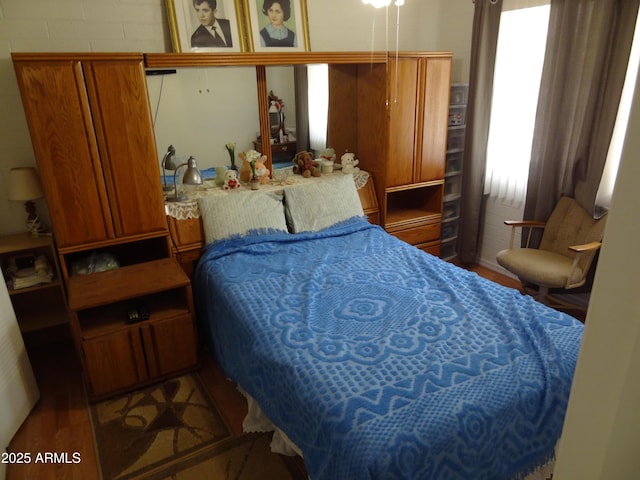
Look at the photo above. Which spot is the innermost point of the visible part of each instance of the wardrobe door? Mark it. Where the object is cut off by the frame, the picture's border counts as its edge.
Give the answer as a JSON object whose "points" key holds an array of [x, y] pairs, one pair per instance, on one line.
{"points": [[118, 93], [436, 80], [60, 122], [403, 81]]}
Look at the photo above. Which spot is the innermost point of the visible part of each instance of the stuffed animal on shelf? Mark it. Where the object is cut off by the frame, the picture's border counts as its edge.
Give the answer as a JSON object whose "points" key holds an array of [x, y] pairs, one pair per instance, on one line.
{"points": [[305, 165], [328, 154], [349, 163], [262, 172], [231, 181], [245, 170]]}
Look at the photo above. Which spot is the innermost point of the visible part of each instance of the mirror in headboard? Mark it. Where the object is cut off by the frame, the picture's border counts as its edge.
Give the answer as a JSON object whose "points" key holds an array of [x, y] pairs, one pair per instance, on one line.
{"points": [[200, 110], [320, 108], [213, 99]]}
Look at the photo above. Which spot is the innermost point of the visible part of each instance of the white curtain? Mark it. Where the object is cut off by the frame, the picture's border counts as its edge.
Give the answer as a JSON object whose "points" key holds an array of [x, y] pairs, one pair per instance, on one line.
{"points": [[517, 73], [318, 78]]}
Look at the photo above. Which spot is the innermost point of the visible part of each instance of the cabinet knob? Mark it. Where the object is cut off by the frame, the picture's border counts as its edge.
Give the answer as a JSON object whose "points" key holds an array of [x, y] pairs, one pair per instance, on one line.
{"points": [[284, 148]]}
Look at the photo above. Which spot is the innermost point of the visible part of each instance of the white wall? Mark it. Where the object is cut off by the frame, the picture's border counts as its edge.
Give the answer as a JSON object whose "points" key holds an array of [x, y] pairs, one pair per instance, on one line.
{"points": [[496, 234]]}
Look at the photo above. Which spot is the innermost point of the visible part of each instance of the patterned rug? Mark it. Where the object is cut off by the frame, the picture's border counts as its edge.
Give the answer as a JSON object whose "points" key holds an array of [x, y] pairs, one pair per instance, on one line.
{"points": [[174, 431]]}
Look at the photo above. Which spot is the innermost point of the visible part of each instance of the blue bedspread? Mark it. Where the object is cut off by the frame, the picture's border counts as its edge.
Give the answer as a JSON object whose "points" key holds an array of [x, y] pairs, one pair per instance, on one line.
{"points": [[383, 362]]}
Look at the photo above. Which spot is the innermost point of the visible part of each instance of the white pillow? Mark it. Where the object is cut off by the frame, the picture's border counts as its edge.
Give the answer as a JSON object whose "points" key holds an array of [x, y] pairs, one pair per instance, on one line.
{"points": [[237, 213], [321, 203]]}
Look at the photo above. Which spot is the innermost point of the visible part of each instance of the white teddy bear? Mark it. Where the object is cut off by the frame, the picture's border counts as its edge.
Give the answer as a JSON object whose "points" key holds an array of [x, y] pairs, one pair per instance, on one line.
{"points": [[231, 180], [349, 163]]}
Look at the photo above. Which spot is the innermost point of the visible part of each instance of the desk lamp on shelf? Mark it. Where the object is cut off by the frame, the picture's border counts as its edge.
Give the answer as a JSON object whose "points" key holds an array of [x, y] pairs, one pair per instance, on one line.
{"points": [[24, 186], [168, 163], [191, 177]]}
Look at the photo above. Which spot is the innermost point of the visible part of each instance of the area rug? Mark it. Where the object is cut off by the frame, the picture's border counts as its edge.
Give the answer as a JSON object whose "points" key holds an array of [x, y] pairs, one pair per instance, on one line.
{"points": [[173, 430]]}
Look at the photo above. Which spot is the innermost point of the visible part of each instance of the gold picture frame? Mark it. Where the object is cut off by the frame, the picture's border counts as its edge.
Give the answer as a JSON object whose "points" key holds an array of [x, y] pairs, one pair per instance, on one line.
{"points": [[188, 34], [297, 24]]}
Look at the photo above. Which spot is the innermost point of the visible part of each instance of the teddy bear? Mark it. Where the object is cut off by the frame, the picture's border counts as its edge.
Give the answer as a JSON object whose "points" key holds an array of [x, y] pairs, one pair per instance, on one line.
{"points": [[231, 181], [305, 165], [349, 163]]}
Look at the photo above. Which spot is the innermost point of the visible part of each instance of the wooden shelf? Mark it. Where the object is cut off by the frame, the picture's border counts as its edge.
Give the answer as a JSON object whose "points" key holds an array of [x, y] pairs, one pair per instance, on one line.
{"points": [[133, 281], [35, 288], [409, 216], [40, 306]]}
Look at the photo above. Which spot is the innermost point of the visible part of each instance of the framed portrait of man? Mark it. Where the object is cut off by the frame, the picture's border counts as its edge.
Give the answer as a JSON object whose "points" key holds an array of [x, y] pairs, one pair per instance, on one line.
{"points": [[277, 25], [206, 25]]}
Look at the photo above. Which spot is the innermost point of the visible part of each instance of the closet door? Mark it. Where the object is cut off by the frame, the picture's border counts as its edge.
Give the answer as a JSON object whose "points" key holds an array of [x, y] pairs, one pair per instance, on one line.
{"points": [[435, 79], [403, 82], [123, 124], [60, 122]]}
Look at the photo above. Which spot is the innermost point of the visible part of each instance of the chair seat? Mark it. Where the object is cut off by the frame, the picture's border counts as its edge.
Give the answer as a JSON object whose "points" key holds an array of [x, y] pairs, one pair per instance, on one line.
{"points": [[540, 267]]}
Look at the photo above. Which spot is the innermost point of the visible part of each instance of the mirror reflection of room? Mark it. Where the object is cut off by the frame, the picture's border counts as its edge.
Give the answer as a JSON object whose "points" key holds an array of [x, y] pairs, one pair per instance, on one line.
{"points": [[282, 110], [201, 110]]}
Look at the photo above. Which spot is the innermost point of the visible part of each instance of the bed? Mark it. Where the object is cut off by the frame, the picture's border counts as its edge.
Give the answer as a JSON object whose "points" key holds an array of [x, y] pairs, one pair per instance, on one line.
{"points": [[378, 360]]}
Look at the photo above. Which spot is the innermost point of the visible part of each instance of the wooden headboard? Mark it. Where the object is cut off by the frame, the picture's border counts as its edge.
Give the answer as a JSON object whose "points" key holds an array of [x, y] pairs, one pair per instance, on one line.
{"points": [[187, 235]]}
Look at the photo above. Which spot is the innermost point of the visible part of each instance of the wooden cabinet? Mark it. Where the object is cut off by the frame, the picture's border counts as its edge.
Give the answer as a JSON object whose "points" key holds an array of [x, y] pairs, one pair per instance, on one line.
{"points": [[402, 141], [92, 134], [43, 305], [116, 354]]}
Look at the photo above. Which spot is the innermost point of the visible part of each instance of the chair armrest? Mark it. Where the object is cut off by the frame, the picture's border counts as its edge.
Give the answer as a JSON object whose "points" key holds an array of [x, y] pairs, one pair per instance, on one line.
{"points": [[522, 224], [585, 247], [580, 249]]}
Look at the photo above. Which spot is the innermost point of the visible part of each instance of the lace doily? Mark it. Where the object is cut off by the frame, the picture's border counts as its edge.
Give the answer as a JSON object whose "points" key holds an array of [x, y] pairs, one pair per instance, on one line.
{"points": [[188, 209]]}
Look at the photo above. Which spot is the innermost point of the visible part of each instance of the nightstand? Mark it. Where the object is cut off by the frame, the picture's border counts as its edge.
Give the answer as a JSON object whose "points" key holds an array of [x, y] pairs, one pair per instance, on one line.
{"points": [[118, 352], [39, 306]]}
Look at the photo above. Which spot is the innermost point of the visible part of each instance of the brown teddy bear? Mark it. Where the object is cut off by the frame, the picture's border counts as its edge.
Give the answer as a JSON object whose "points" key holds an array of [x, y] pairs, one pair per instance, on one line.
{"points": [[305, 165]]}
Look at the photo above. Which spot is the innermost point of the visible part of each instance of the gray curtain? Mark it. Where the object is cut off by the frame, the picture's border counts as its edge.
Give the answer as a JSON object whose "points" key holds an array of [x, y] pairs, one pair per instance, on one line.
{"points": [[301, 80], [486, 22], [587, 52]]}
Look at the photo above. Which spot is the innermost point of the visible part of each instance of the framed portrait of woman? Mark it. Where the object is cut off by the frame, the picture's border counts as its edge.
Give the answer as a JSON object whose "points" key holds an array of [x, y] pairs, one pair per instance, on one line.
{"points": [[206, 25], [277, 25]]}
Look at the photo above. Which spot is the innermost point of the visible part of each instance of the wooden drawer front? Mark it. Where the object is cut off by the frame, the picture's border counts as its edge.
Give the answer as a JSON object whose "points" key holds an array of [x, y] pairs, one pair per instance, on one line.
{"points": [[432, 247], [186, 234], [418, 235]]}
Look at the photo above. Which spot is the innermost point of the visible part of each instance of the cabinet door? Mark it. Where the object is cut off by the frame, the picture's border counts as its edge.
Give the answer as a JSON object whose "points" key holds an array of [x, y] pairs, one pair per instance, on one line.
{"points": [[60, 122], [115, 361], [118, 92], [403, 80], [436, 78], [170, 345]]}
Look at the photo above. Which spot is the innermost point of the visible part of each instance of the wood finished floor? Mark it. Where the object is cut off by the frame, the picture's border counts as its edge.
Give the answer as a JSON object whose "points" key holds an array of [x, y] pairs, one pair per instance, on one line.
{"points": [[60, 420]]}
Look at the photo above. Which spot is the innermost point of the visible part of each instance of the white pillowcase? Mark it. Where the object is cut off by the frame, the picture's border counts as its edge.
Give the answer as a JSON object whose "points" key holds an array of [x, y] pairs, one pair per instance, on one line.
{"points": [[316, 205], [237, 213]]}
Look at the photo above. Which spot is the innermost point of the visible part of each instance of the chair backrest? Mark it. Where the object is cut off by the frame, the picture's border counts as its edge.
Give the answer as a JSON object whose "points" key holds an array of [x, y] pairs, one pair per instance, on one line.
{"points": [[569, 224]]}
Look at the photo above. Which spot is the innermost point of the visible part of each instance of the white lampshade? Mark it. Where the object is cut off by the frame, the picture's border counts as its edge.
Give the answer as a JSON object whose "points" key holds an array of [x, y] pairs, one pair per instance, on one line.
{"points": [[24, 184]]}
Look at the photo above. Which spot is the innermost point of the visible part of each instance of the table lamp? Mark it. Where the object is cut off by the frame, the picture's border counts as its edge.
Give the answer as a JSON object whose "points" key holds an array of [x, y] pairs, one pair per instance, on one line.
{"points": [[191, 177], [24, 186], [168, 163]]}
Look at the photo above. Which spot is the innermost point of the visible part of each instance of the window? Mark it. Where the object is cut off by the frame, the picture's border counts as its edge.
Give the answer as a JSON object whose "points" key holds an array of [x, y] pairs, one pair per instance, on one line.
{"points": [[517, 72], [318, 78]]}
